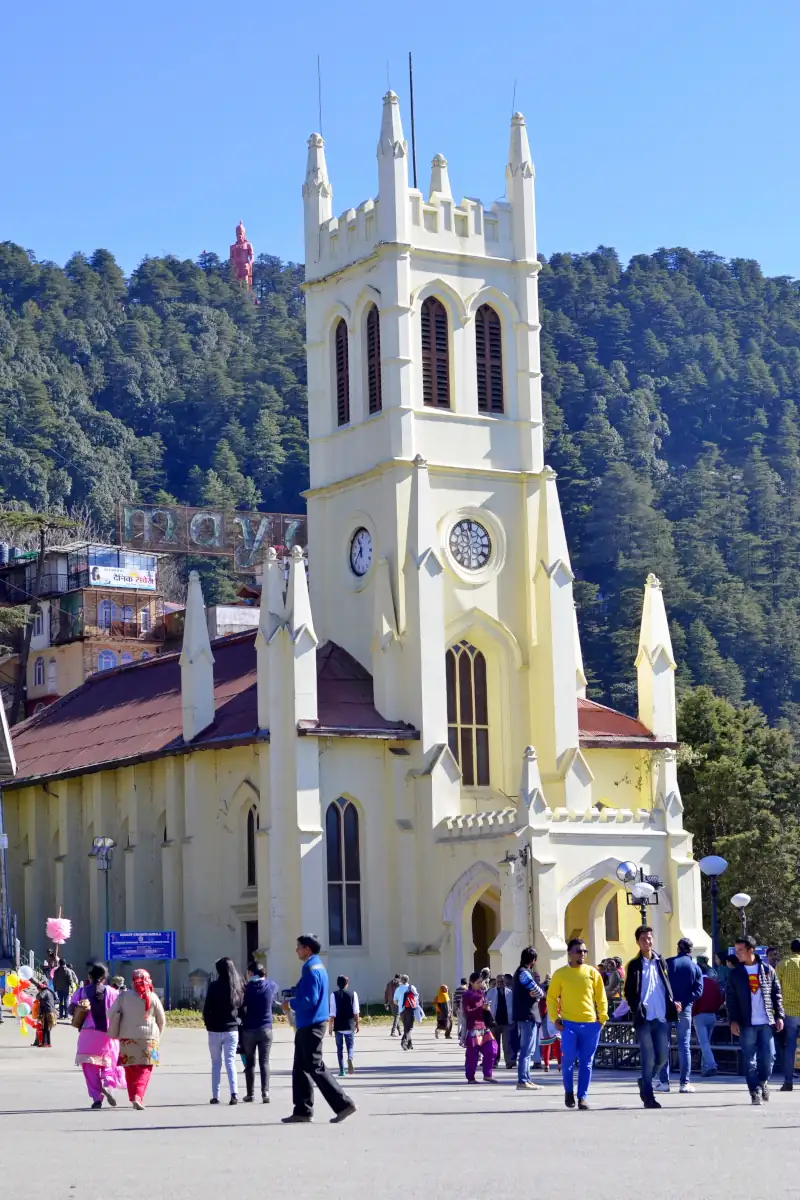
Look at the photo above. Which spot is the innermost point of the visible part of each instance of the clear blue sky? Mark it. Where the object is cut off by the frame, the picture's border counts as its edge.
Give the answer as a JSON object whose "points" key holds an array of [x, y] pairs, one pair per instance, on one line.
{"points": [[153, 127]]}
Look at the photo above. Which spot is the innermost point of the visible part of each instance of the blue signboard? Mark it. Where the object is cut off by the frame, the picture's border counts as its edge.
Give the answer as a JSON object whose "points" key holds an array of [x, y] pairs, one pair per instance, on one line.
{"points": [[126, 947]]}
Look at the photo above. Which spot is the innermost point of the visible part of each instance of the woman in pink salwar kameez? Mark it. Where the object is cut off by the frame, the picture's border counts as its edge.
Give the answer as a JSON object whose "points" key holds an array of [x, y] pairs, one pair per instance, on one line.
{"points": [[98, 1054]]}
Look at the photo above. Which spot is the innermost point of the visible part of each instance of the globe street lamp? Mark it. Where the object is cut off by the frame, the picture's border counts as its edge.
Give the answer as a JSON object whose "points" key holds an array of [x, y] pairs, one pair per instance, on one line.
{"points": [[741, 901], [713, 866], [645, 887]]}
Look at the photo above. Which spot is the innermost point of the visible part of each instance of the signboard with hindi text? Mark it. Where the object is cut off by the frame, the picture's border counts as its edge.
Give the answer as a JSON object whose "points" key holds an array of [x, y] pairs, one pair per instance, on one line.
{"points": [[175, 529], [136, 578]]}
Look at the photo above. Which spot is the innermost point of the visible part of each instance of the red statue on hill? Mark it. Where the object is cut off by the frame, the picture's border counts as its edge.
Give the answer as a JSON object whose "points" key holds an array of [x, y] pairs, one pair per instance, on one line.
{"points": [[242, 256]]}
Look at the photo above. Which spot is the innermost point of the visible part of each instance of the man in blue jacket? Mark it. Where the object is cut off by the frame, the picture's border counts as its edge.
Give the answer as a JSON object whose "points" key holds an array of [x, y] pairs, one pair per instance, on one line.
{"points": [[310, 1005], [686, 980]]}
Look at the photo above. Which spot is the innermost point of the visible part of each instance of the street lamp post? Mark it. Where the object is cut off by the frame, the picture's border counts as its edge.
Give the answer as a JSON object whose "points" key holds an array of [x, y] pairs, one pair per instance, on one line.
{"points": [[713, 866], [103, 850], [741, 901], [643, 893]]}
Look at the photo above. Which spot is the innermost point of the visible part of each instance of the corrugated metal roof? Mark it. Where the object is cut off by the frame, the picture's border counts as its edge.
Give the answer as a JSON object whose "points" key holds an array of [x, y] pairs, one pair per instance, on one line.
{"points": [[134, 712]]}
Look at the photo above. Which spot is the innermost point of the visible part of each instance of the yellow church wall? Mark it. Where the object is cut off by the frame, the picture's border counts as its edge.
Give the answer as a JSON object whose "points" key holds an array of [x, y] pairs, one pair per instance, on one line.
{"points": [[622, 778]]}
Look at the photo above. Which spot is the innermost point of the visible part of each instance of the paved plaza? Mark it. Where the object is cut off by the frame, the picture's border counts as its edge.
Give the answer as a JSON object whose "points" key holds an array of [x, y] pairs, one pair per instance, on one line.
{"points": [[420, 1132]]}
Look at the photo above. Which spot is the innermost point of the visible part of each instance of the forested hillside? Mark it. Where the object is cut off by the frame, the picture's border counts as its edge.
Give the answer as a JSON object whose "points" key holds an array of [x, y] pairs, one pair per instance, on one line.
{"points": [[671, 393]]}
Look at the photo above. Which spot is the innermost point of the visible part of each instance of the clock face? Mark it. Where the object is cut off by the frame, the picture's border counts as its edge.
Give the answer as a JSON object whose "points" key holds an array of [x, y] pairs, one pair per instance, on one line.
{"points": [[361, 552], [470, 545]]}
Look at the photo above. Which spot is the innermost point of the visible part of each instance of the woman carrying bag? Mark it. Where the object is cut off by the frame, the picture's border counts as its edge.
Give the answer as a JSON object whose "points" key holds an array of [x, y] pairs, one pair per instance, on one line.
{"points": [[137, 1019]]}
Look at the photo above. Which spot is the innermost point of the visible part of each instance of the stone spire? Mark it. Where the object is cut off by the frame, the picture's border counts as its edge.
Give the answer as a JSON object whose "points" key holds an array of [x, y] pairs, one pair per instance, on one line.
{"points": [[520, 190], [440, 180], [272, 617], [300, 624], [317, 196], [531, 804], [393, 216], [197, 665], [655, 665]]}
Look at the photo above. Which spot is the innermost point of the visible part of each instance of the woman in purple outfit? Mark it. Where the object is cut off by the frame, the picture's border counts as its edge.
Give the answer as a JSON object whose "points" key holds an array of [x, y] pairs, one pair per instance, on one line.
{"points": [[98, 1054]]}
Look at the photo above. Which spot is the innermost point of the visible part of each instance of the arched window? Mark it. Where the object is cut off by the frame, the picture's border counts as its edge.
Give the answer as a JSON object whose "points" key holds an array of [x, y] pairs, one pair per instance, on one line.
{"points": [[52, 675], [342, 357], [374, 359], [144, 620], [38, 673], [143, 656], [38, 623], [106, 659], [435, 354], [489, 355], [343, 850], [104, 613], [468, 713], [252, 828]]}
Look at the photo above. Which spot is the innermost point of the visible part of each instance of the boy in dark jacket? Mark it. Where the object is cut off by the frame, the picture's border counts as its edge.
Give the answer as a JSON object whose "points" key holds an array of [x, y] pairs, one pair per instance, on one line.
{"points": [[755, 1008], [47, 1014], [649, 995]]}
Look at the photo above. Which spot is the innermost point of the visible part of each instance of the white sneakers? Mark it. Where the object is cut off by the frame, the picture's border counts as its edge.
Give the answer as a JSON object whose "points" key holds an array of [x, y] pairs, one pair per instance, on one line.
{"points": [[660, 1086], [686, 1087]]}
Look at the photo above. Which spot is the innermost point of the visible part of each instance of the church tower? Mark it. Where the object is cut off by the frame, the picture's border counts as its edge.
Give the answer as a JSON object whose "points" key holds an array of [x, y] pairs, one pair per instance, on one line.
{"points": [[438, 550]]}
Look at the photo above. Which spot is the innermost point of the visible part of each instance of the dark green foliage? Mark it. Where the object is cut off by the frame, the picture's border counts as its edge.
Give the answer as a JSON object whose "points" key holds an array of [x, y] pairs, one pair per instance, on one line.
{"points": [[174, 382], [670, 397], [740, 783], [671, 392]]}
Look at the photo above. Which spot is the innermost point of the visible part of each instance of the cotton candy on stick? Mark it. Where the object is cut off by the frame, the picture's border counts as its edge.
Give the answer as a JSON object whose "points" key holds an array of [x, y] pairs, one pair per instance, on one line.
{"points": [[58, 930]]}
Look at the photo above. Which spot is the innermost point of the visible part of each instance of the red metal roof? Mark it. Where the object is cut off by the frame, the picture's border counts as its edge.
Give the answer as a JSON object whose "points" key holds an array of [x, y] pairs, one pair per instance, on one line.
{"points": [[599, 726], [134, 712]]}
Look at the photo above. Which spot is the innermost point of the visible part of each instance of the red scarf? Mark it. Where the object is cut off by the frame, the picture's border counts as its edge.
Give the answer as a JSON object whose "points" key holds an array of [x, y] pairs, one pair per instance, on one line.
{"points": [[143, 986]]}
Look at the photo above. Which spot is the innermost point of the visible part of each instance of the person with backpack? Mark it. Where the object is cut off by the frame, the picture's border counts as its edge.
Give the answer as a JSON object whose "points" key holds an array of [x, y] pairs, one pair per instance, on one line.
{"points": [[409, 1002]]}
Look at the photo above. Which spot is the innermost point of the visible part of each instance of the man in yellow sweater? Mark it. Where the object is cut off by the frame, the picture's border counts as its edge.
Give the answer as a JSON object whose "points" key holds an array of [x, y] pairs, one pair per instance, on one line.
{"points": [[577, 1005]]}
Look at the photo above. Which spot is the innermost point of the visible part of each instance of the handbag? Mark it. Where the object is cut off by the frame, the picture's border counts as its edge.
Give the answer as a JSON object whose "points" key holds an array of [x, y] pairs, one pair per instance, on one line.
{"points": [[82, 1009]]}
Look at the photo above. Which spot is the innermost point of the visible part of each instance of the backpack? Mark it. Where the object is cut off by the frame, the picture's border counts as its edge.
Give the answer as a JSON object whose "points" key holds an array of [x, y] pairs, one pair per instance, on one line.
{"points": [[410, 999]]}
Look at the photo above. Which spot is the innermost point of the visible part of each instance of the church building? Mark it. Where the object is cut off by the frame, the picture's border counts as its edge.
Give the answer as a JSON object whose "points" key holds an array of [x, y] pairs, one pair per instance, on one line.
{"points": [[402, 757]]}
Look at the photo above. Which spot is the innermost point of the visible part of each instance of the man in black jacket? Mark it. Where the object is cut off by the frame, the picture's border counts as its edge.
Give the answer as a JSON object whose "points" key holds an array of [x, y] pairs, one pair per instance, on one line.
{"points": [[755, 1008], [649, 996]]}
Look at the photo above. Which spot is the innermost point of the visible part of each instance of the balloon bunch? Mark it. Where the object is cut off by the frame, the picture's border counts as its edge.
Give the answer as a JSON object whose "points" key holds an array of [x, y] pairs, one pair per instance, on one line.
{"points": [[19, 998]]}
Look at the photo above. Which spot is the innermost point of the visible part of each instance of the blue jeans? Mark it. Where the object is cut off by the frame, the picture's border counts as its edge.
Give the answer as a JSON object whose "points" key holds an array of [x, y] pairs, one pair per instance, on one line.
{"points": [[704, 1025], [791, 1028], [683, 1025], [223, 1046], [653, 1039], [578, 1041], [344, 1038], [528, 1035], [758, 1054]]}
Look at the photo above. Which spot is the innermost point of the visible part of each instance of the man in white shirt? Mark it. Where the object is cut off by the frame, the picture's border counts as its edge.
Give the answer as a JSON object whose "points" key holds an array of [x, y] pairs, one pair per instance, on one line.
{"points": [[755, 1008], [649, 996], [500, 1001]]}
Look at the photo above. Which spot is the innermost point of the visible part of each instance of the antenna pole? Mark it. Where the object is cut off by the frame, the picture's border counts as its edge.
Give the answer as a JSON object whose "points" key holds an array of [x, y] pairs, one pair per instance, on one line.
{"points": [[319, 93], [413, 127]]}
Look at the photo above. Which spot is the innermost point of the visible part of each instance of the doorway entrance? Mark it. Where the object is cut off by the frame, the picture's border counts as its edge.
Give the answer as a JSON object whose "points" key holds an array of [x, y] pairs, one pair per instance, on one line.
{"points": [[251, 938], [484, 931]]}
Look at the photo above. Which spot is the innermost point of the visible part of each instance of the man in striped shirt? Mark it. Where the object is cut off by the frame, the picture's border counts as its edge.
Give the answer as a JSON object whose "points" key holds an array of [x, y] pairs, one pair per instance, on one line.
{"points": [[789, 978]]}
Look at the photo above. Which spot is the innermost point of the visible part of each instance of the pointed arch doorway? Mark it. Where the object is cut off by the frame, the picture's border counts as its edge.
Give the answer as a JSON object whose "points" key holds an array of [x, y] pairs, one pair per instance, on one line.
{"points": [[485, 928]]}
